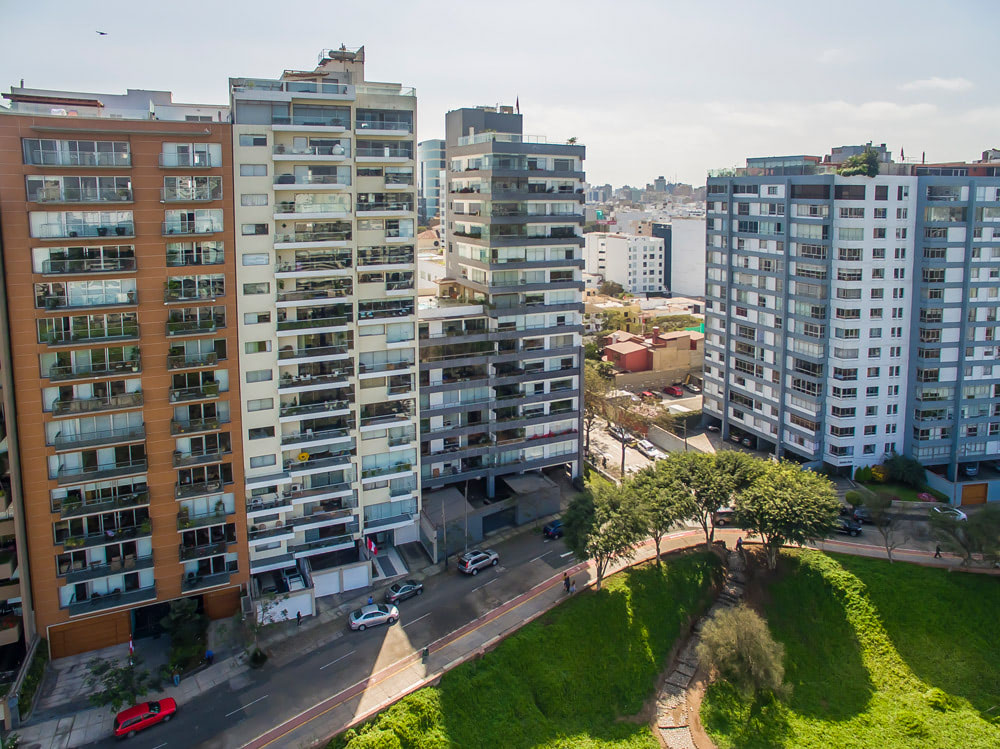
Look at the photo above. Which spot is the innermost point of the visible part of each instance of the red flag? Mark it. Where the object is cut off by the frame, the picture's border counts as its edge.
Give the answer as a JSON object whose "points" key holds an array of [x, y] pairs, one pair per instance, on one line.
{"points": [[371, 547]]}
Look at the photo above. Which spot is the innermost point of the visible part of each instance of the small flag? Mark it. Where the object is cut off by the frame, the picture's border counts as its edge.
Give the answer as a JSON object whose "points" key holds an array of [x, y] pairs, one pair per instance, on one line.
{"points": [[371, 547]]}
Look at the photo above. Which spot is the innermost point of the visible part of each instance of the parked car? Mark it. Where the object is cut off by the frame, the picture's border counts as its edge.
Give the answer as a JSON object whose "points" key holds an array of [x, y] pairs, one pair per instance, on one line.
{"points": [[403, 590], [712, 428], [847, 526], [674, 390], [748, 441], [951, 512], [553, 529], [734, 438], [647, 394], [648, 449], [372, 615], [970, 469], [622, 436], [139, 717], [692, 388], [724, 516], [862, 514], [472, 561]]}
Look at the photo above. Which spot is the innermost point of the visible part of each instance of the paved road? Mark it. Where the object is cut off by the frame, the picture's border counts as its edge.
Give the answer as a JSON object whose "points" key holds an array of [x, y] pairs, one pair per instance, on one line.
{"points": [[255, 702]]}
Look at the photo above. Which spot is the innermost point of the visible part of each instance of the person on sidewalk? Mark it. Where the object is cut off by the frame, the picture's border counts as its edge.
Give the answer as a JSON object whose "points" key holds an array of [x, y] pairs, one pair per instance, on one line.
{"points": [[298, 618], [566, 582], [937, 551], [739, 544], [370, 600], [209, 657], [572, 587]]}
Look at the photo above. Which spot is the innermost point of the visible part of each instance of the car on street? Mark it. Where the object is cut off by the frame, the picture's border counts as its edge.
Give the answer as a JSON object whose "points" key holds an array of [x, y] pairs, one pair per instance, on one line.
{"points": [[139, 717], [724, 516], [472, 561], [402, 590], [950, 512], [847, 526], [372, 615], [648, 449], [647, 394], [692, 388], [622, 436], [674, 390], [862, 514], [553, 529]]}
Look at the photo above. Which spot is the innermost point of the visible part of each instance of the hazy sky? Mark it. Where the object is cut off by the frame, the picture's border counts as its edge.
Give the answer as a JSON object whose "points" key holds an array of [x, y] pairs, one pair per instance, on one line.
{"points": [[649, 87]]}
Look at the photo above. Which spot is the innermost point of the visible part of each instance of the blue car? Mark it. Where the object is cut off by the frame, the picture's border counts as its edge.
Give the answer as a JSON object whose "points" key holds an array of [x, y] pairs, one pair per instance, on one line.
{"points": [[553, 529]]}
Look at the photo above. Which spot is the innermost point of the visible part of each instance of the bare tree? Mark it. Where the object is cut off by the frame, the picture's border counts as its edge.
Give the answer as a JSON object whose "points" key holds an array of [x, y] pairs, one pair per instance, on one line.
{"points": [[878, 506]]}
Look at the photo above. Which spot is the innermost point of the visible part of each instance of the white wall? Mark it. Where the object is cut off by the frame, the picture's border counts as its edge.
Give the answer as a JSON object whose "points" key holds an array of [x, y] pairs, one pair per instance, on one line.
{"points": [[688, 257]]}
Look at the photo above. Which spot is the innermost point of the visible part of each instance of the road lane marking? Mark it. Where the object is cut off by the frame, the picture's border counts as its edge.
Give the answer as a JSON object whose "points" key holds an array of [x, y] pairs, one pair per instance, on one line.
{"points": [[160, 746], [414, 621], [484, 584], [541, 555], [247, 705], [568, 553], [338, 660]]}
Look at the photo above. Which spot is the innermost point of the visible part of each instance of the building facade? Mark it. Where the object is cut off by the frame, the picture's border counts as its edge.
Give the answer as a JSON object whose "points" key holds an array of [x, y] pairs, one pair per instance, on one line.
{"points": [[117, 234], [633, 261], [852, 317], [500, 347], [326, 210], [431, 178]]}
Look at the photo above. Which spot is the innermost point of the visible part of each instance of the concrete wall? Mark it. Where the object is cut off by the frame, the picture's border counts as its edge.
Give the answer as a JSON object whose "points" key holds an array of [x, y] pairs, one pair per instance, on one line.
{"points": [[687, 257], [653, 379]]}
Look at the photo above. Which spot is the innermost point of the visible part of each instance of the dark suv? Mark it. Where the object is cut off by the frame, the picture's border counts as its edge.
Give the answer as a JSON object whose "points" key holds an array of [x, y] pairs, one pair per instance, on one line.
{"points": [[472, 561], [553, 529], [847, 526]]}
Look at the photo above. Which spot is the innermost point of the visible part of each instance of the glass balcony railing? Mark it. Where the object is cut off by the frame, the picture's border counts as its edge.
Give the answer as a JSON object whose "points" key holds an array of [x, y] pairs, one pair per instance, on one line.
{"points": [[197, 581], [329, 262], [314, 322], [82, 301], [88, 265], [67, 474], [99, 437], [310, 435], [92, 335], [67, 406], [191, 195], [72, 507], [314, 408], [95, 369], [290, 206], [307, 379], [194, 160], [187, 553], [86, 231], [313, 179], [331, 543], [189, 426], [197, 489], [243, 85], [182, 459], [383, 152], [190, 361], [311, 352], [302, 295], [189, 327], [198, 392], [78, 158], [312, 236], [111, 600], [401, 467], [81, 195], [190, 227], [385, 205], [342, 149]]}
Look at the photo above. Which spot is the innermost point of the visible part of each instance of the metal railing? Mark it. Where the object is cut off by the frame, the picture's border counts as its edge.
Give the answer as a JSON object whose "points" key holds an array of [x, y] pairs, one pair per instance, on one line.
{"points": [[99, 470], [313, 236], [313, 436], [314, 408], [81, 195], [340, 150], [88, 265], [197, 392], [100, 437], [86, 231], [187, 553], [73, 371], [182, 459], [197, 488], [197, 425], [310, 351], [305, 295], [314, 322], [171, 228], [64, 406], [78, 158], [184, 361], [313, 179], [187, 327]]}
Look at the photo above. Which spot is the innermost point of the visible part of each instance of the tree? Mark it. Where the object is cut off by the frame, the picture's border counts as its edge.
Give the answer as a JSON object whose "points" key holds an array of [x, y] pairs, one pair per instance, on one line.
{"points": [[115, 684], [591, 351], [737, 645], [905, 470], [878, 506], [267, 611], [571, 141], [659, 501], [611, 288], [864, 164], [618, 413], [786, 504], [595, 392], [977, 535], [603, 524]]}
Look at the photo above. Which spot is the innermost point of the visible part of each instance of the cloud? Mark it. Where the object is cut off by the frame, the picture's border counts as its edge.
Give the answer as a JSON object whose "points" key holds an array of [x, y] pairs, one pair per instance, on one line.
{"points": [[936, 83], [832, 55]]}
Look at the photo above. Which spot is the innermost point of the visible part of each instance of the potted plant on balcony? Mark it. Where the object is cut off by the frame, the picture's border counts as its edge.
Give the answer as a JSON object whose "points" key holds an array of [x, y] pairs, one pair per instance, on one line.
{"points": [[220, 507], [146, 526], [102, 231]]}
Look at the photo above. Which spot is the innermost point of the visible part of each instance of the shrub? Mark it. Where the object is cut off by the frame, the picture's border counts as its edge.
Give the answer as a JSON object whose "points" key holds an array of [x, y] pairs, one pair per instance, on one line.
{"points": [[904, 470], [32, 679], [879, 474], [938, 699], [737, 644], [854, 498]]}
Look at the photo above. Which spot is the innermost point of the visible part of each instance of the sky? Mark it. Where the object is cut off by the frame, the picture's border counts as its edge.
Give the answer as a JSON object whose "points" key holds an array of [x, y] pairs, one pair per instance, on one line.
{"points": [[651, 87]]}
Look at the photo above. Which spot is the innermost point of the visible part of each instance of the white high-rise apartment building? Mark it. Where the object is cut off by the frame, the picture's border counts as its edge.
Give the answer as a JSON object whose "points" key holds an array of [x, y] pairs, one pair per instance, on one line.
{"points": [[852, 317], [631, 260], [326, 217]]}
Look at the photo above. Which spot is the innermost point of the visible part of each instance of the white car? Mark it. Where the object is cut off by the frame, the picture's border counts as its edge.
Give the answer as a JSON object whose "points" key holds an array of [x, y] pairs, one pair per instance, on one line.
{"points": [[950, 512], [648, 449], [372, 614]]}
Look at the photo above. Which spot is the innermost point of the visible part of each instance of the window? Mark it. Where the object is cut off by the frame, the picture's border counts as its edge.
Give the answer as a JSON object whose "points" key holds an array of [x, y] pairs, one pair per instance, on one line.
{"points": [[873, 371], [880, 213], [253, 170], [870, 429], [872, 392], [900, 253], [877, 293], [901, 213], [874, 353], [881, 192], [868, 450], [253, 199], [256, 347], [852, 212], [847, 234], [260, 404], [252, 318], [260, 461], [901, 232], [902, 193], [849, 192], [252, 229], [260, 287], [247, 139], [871, 410], [849, 253], [878, 253], [878, 232], [259, 375], [256, 258], [259, 433]]}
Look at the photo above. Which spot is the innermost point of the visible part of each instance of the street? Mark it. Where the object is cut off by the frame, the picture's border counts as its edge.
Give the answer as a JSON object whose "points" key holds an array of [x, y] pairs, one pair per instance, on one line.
{"points": [[256, 701]]}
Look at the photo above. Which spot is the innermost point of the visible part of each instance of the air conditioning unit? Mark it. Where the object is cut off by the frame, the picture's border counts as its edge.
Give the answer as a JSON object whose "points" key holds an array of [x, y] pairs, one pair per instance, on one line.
{"points": [[295, 488]]}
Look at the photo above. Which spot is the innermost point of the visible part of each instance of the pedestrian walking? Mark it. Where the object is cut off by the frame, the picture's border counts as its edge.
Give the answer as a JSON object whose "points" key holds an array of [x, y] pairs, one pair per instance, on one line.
{"points": [[739, 544], [177, 679], [572, 587], [209, 657], [370, 600], [298, 618], [566, 582], [937, 552]]}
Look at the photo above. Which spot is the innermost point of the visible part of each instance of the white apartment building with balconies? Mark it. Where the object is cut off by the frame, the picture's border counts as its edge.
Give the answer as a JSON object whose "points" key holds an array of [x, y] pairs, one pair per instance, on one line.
{"points": [[633, 261]]}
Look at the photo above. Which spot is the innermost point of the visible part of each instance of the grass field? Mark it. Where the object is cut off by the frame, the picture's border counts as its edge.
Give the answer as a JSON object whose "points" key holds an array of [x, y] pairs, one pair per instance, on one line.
{"points": [[877, 655], [564, 680], [904, 492]]}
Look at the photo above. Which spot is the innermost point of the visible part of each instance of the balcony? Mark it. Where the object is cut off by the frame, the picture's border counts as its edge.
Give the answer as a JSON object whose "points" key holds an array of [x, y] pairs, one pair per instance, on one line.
{"points": [[80, 266], [307, 409], [292, 239], [79, 158], [188, 160], [385, 153], [112, 600], [402, 467], [89, 335], [317, 491], [95, 571], [197, 489], [58, 373], [60, 302], [336, 152], [294, 383], [391, 366], [102, 437], [192, 426], [312, 352], [187, 553], [192, 361], [184, 228], [195, 327], [196, 581], [183, 459], [191, 195], [390, 207], [340, 291], [315, 266], [81, 195], [199, 392], [74, 406], [325, 544], [291, 209], [310, 435], [125, 533], [70, 508], [186, 520], [314, 322], [340, 459], [255, 87], [327, 181], [76, 474], [86, 231], [383, 127]]}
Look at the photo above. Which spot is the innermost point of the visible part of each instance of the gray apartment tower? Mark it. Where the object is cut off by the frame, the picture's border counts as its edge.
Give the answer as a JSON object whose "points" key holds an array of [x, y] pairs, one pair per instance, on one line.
{"points": [[430, 180], [850, 317]]}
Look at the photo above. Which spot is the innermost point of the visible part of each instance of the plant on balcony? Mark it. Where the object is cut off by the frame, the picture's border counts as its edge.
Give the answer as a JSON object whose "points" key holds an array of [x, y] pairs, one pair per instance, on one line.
{"points": [[146, 526], [220, 507], [72, 543]]}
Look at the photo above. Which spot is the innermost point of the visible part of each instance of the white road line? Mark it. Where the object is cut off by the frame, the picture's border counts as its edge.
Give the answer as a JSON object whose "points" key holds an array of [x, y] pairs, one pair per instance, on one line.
{"points": [[338, 660], [484, 584], [541, 555], [247, 705], [160, 746], [414, 621], [568, 553]]}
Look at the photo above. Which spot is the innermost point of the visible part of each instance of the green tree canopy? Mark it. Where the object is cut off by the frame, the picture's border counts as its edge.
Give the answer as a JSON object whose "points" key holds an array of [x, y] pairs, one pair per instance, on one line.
{"points": [[603, 524], [736, 644], [659, 500], [864, 164], [786, 504], [116, 684]]}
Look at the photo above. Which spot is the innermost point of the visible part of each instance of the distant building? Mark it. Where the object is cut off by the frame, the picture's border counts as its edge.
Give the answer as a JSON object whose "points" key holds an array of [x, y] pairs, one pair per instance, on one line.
{"points": [[658, 358], [430, 180], [633, 261]]}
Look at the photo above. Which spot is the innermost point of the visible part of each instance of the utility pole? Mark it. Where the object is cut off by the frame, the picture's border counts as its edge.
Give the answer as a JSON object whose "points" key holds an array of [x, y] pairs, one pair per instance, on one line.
{"points": [[466, 514], [444, 530]]}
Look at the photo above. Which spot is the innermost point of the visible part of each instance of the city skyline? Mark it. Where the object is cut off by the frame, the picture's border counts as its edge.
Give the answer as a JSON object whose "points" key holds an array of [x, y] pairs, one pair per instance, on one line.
{"points": [[666, 107]]}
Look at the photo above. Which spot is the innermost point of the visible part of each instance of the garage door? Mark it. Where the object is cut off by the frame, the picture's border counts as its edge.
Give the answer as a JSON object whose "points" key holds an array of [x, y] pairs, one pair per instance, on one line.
{"points": [[222, 604], [90, 634], [974, 494]]}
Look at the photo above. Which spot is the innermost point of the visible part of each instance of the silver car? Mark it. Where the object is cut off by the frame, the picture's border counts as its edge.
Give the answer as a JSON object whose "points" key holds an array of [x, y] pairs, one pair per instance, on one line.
{"points": [[472, 561], [371, 615]]}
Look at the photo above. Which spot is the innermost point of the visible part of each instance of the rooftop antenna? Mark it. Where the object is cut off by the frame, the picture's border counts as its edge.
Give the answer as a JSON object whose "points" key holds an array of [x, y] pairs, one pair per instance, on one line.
{"points": [[22, 83]]}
